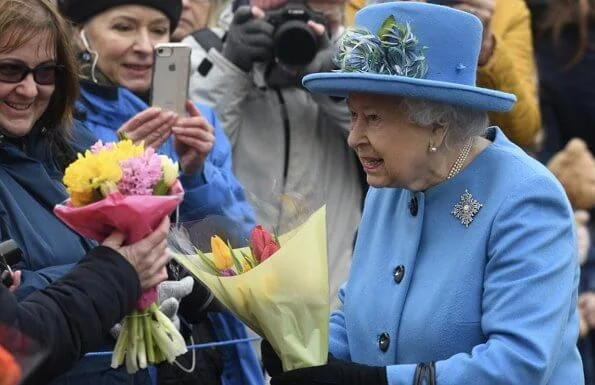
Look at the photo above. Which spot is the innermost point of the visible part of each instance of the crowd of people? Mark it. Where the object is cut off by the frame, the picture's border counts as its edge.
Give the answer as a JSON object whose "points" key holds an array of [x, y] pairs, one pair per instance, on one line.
{"points": [[425, 127]]}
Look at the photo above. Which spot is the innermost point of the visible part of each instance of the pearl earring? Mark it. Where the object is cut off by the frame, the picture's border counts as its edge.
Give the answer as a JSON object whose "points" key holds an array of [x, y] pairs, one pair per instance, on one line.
{"points": [[432, 148]]}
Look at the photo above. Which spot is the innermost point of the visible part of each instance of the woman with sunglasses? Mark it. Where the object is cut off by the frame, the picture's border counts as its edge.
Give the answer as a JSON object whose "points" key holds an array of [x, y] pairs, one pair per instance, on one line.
{"points": [[38, 87]]}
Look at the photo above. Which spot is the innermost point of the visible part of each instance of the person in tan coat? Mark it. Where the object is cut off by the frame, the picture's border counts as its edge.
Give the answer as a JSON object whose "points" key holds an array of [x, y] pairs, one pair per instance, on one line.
{"points": [[506, 62]]}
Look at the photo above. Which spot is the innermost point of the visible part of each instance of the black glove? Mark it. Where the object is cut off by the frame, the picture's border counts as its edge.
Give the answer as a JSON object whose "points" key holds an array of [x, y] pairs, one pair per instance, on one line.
{"points": [[336, 372], [270, 359], [323, 61], [248, 40]]}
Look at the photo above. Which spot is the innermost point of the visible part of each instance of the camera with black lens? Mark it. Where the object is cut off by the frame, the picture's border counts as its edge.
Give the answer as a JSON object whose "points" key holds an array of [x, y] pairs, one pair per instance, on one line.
{"points": [[294, 42], [10, 254]]}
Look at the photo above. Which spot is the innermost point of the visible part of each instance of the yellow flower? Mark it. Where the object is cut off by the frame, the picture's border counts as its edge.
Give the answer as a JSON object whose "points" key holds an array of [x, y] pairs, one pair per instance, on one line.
{"points": [[96, 174], [125, 149], [90, 172], [170, 170], [221, 253]]}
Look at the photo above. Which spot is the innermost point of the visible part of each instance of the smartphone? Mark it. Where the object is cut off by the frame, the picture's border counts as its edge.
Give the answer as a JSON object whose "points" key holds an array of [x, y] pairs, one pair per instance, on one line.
{"points": [[171, 74]]}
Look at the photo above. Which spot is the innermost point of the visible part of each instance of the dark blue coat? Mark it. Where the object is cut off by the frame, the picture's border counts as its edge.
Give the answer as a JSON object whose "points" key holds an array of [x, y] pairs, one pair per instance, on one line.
{"points": [[567, 98]]}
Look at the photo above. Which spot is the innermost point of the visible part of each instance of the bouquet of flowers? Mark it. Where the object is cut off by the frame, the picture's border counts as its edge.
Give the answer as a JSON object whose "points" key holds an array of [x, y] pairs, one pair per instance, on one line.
{"points": [[123, 186], [276, 286], [19, 356]]}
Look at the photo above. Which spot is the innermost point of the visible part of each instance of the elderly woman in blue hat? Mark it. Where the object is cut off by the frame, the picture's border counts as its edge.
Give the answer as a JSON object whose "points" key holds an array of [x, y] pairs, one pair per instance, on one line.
{"points": [[465, 268]]}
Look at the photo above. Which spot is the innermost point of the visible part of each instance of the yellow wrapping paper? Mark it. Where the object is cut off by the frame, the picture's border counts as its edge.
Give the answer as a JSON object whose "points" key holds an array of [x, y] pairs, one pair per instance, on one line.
{"points": [[285, 299]]}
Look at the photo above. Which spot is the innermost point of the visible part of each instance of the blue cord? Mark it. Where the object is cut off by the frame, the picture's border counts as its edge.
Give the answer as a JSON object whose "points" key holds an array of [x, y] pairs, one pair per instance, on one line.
{"points": [[192, 347]]}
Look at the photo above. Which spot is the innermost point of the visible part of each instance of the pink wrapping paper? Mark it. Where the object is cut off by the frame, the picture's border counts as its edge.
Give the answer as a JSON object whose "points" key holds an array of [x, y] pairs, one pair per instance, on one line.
{"points": [[135, 215]]}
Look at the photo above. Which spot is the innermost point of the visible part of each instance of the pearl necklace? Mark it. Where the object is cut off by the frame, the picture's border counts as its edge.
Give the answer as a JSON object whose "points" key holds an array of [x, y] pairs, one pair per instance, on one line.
{"points": [[460, 162]]}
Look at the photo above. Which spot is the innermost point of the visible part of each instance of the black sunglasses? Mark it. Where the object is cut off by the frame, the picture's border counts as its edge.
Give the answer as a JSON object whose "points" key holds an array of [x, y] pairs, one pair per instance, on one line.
{"points": [[15, 72]]}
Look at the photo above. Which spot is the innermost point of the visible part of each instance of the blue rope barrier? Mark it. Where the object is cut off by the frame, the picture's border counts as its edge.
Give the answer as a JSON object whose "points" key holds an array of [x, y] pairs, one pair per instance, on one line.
{"points": [[192, 347]]}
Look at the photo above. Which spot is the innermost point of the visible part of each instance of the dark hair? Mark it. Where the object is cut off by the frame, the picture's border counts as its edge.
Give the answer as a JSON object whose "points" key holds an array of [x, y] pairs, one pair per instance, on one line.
{"points": [[563, 14], [23, 21]]}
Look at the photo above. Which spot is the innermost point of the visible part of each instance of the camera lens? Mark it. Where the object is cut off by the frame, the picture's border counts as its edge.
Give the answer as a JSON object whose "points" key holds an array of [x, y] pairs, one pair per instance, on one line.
{"points": [[295, 44]]}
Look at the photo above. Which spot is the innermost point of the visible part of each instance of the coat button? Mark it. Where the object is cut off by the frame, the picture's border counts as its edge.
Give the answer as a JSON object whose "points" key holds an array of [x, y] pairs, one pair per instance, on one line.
{"points": [[384, 342], [413, 206], [399, 273]]}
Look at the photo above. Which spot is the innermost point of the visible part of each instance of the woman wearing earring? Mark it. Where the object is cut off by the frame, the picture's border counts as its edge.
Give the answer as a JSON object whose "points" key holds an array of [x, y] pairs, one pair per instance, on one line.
{"points": [[38, 140], [465, 268]]}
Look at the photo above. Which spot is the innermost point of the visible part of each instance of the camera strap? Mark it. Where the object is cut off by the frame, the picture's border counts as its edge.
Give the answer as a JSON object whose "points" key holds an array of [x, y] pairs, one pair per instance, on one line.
{"points": [[207, 39]]}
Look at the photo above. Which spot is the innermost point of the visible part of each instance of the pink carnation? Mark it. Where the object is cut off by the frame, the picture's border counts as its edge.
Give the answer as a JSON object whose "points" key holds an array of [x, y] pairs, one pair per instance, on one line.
{"points": [[141, 174], [98, 146]]}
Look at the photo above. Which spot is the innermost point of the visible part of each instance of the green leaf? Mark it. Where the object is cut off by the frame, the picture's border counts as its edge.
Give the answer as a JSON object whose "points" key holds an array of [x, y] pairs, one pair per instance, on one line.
{"points": [[249, 259], [122, 135], [208, 262], [160, 188], [386, 26], [236, 260]]}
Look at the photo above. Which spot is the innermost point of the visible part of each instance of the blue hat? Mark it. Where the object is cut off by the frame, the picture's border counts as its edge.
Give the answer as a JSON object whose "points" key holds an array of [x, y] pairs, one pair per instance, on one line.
{"points": [[415, 50]]}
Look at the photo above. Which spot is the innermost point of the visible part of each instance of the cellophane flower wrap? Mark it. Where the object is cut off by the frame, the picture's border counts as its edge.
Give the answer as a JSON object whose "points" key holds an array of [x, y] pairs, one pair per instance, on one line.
{"points": [[19, 356], [277, 286], [123, 186]]}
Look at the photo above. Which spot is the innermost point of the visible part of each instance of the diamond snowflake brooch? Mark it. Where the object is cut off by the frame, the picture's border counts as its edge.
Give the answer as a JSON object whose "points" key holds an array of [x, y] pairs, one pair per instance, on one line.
{"points": [[466, 209]]}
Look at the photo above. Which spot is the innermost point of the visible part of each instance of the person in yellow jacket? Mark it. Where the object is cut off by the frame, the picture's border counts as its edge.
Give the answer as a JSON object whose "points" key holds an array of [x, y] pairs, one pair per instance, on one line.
{"points": [[506, 61]]}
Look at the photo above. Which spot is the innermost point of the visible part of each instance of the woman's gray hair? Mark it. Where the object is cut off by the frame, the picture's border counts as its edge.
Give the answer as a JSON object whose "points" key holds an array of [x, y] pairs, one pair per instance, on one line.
{"points": [[460, 123]]}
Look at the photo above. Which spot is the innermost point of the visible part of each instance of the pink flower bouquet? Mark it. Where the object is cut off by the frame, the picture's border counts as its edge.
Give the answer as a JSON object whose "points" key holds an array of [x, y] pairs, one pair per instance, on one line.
{"points": [[121, 186]]}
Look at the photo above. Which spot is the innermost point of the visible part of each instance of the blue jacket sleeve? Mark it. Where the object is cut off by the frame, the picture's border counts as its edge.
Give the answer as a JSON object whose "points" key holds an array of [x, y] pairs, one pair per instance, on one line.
{"points": [[32, 281], [529, 300], [338, 342], [217, 191]]}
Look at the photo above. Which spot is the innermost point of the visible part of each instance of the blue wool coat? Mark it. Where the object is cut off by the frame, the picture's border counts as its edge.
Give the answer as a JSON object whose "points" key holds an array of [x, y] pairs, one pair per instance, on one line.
{"points": [[494, 303]]}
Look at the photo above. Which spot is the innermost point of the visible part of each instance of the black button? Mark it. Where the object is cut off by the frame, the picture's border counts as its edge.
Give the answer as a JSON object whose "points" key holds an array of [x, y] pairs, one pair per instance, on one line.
{"points": [[384, 342], [399, 273], [413, 206]]}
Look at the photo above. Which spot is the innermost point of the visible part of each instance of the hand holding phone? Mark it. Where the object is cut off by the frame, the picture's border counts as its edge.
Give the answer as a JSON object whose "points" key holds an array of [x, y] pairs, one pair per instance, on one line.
{"points": [[194, 138]]}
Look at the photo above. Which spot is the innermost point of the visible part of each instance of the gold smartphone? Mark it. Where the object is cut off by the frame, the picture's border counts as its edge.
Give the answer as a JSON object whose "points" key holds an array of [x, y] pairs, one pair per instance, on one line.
{"points": [[171, 74]]}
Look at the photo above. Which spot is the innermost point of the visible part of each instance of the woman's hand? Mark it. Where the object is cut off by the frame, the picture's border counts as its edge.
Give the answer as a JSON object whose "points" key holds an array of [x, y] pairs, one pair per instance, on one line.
{"points": [[16, 281], [153, 126], [194, 138], [484, 10], [586, 304], [148, 256]]}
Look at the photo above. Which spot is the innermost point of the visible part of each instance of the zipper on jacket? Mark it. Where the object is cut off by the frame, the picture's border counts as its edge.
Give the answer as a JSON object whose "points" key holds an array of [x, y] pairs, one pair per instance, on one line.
{"points": [[287, 134], [287, 144]]}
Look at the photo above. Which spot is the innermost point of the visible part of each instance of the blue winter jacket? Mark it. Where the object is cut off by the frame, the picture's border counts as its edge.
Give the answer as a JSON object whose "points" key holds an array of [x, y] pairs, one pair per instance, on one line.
{"points": [[214, 192]]}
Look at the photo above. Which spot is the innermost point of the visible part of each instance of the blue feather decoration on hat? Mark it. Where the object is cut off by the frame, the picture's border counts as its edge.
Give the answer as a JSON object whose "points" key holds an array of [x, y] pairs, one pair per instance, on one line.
{"points": [[393, 51]]}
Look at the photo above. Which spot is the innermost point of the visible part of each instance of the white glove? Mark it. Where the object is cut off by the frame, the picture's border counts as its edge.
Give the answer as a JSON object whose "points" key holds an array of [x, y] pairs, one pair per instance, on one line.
{"points": [[169, 295]]}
